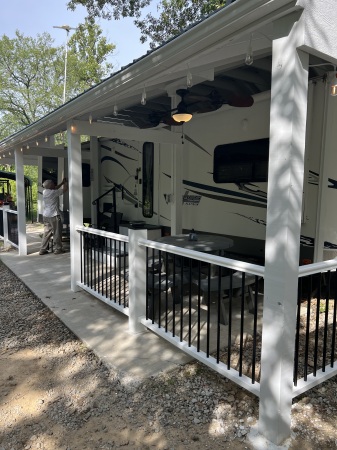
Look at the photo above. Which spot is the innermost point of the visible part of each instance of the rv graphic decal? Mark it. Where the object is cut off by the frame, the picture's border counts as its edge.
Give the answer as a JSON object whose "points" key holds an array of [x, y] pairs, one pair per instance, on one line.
{"points": [[246, 188], [119, 142], [306, 241], [330, 245], [110, 158], [236, 197], [196, 144], [252, 219], [334, 183], [191, 199], [313, 178]]}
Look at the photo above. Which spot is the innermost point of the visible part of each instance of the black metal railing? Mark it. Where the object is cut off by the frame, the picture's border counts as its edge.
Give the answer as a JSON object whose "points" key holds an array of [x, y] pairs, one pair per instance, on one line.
{"points": [[104, 267], [315, 344], [205, 305]]}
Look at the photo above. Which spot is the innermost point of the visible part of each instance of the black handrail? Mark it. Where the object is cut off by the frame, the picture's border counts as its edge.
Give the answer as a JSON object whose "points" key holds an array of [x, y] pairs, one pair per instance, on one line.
{"points": [[118, 187]]}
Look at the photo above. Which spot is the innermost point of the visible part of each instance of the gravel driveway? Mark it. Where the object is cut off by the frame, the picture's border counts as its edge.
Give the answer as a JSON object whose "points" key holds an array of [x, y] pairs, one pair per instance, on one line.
{"points": [[56, 394]]}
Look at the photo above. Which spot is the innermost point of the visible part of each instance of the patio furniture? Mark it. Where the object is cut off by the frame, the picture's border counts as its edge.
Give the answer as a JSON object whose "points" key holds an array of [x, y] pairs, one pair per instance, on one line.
{"points": [[212, 285]]}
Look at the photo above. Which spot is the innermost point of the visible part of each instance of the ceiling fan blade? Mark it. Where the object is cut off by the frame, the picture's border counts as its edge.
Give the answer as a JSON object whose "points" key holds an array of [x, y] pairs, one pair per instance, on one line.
{"points": [[240, 102], [168, 120]]}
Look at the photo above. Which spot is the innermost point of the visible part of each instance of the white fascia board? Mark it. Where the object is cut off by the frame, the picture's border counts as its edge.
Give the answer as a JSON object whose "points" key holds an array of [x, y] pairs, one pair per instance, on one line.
{"points": [[108, 130], [241, 16]]}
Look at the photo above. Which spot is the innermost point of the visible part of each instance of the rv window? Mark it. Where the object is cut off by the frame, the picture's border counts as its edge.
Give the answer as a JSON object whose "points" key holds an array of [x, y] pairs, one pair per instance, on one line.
{"points": [[148, 155], [241, 162]]}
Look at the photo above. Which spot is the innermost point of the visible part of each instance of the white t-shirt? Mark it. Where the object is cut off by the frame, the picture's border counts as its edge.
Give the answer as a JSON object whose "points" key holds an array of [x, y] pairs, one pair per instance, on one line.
{"points": [[51, 202]]}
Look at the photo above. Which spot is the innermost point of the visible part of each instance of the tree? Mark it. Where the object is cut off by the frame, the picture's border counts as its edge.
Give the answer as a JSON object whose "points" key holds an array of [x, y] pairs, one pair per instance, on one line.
{"points": [[174, 15], [111, 9], [87, 57], [32, 73]]}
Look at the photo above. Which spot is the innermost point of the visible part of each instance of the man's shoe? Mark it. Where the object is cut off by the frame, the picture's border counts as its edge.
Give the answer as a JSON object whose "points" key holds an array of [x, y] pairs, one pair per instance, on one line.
{"points": [[43, 252], [58, 252]]}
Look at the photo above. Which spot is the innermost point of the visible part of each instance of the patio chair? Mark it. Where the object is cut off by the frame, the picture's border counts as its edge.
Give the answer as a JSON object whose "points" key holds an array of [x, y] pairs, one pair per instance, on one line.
{"points": [[159, 283], [213, 286]]}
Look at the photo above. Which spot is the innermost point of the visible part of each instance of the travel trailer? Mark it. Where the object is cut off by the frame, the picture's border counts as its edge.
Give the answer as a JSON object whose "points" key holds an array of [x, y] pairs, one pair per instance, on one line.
{"points": [[224, 177]]}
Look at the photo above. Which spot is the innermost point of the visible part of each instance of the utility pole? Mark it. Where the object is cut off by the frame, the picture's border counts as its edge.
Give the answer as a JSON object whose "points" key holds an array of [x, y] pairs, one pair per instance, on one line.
{"points": [[67, 28]]}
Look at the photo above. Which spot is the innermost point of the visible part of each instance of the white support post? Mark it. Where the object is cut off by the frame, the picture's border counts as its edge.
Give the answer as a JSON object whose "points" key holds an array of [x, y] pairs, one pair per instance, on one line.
{"points": [[39, 188], [75, 204], [284, 207], [177, 204], [94, 175], [60, 176], [20, 203], [176, 180], [137, 281]]}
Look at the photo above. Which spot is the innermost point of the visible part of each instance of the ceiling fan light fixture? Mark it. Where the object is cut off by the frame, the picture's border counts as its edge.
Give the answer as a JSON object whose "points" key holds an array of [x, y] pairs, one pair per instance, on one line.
{"points": [[182, 116]]}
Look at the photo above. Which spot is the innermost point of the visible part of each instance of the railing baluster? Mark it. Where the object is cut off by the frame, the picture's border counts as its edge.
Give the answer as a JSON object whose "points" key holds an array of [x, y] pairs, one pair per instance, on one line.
{"points": [[199, 307], [218, 316], [230, 313], [297, 336], [242, 322], [190, 304], [180, 289], [307, 330], [256, 294], [208, 309], [317, 324], [174, 290], [326, 319], [333, 337]]}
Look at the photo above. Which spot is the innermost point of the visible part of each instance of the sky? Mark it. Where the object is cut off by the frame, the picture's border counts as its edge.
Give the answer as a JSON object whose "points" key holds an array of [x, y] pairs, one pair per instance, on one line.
{"points": [[33, 17]]}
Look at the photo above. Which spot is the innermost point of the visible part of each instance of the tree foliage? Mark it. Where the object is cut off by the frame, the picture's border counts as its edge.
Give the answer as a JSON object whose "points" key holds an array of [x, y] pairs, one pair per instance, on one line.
{"points": [[111, 9], [173, 15], [32, 73]]}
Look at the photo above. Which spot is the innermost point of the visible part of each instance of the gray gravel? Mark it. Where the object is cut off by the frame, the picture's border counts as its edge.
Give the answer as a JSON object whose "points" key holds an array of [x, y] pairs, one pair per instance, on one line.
{"points": [[191, 407]]}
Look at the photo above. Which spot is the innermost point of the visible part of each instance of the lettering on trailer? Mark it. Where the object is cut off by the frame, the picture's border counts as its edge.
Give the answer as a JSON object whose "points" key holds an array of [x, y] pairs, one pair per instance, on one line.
{"points": [[192, 199]]}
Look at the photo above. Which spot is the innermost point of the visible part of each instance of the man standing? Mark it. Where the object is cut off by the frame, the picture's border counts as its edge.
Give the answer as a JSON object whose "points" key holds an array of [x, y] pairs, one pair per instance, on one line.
{"points": [[51, 215]]}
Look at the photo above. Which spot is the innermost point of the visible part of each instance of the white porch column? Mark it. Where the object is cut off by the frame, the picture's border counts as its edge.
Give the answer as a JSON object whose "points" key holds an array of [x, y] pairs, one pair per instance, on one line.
{"points": [[285, 188], [177, 176], [177, 204], [75, 204], [20, 202], [60, 176], [39, 188], [137, 281], [95, 160]]}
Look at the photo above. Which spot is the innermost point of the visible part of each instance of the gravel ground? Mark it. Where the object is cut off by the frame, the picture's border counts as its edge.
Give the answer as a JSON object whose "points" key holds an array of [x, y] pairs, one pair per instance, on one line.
{"points": [[56, 394]]}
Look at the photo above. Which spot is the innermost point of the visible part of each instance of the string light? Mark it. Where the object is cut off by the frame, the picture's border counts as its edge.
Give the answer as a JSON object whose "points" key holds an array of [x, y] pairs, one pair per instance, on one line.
{"points": [[189, 79], [249, 55], [143, 100]]}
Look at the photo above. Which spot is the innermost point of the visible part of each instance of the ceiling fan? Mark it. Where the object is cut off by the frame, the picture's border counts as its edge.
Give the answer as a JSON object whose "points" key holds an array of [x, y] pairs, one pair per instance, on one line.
{"points": [[196, 103]]}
